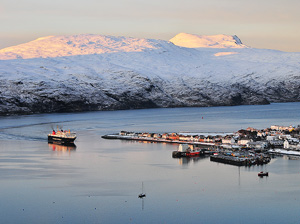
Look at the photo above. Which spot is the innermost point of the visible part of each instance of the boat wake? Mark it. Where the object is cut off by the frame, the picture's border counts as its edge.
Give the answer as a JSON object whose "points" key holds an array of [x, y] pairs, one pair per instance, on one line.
{"points": [[10, 136]]}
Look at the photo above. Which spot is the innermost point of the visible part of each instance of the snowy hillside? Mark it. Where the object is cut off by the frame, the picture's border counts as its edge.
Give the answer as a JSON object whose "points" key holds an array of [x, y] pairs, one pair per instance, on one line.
{"points": [[95, 72], [59, 46]]}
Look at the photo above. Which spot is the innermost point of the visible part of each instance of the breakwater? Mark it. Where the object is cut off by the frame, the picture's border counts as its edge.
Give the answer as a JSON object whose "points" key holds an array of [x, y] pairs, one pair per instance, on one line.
{"points": [[250, 160]]}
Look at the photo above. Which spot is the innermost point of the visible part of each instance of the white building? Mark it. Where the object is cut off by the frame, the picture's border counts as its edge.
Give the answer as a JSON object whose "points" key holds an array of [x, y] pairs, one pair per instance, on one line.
{"points": [[291, 145], [286, 144], [243, 141], [258, 145], [228, 140]]}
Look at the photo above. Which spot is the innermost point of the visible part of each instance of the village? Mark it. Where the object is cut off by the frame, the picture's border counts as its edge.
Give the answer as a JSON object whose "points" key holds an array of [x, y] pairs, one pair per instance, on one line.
{"points": [[286, 137], [245, 147]]}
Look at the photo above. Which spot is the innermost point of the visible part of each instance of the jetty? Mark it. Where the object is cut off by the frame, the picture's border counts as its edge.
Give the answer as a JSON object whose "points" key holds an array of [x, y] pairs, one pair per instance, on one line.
{"points": [[241, 160]]}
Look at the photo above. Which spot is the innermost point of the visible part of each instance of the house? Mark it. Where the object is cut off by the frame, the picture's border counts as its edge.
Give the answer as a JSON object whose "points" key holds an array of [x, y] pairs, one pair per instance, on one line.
{"points": [[261, 134], [228, 140], [157, 135], [145, 135], [251, 129], [185, 138], [201, 138], [196, 138], [287, 144], [209, 139], [282, 128], [258, 144], [150, 135], [164, 136], [126, 133], [276, 143], [283, 137], [274, 127], [173, 136], [244, 141], [123, 133]]}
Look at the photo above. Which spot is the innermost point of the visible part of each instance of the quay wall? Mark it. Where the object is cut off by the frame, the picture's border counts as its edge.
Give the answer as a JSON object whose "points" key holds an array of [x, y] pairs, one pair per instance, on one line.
{"points": [[134, 138]]}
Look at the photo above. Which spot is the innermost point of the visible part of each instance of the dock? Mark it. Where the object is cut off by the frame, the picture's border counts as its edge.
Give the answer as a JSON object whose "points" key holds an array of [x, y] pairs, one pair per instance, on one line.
{"points": [[159, 140], [259, 159]]}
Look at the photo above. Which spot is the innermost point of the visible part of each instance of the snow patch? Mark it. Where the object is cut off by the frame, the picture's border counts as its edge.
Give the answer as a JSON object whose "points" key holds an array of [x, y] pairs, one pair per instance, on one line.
{"points": [[224, 53], [202, 41]]}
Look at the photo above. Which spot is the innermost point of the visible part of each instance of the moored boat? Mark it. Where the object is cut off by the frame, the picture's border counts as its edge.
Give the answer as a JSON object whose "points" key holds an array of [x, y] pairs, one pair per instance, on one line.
{"points": [[261, 174], [62, 137], [142, 195], [185, 151]]}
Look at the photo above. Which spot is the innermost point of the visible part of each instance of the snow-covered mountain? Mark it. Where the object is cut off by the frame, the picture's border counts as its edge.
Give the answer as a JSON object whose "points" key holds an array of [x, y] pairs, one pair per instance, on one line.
{"points": [[96, 72]]}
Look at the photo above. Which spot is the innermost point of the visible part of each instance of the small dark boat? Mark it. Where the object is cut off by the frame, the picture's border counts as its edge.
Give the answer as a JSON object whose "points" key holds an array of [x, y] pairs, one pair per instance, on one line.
{"points": [[62, 137], [142, 195], [262, 174]]}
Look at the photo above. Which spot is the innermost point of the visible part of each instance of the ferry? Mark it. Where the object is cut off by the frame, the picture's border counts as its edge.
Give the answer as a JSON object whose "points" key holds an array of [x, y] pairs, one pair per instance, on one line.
{"points": [[62, 137]]}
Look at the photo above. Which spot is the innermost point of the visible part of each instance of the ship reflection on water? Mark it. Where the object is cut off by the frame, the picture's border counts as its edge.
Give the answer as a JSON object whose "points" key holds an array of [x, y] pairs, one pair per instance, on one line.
{"points": [[62, 148], [186, 160]]}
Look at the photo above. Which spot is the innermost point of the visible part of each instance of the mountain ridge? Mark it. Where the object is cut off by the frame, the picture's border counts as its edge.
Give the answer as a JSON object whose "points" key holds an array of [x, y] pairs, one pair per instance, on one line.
{"points": [[147, 73], [71, 45], [84, 44]]}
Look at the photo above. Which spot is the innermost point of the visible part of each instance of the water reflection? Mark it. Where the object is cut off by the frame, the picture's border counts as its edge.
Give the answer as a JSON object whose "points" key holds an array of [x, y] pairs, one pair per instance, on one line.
{"points": [[184, 161], [143, 204], [62, 148], [290, 157]]}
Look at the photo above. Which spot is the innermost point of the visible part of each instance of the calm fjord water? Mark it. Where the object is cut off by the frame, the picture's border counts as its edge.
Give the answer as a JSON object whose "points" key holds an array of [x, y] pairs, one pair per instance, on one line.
{"points": [[99, 180]]}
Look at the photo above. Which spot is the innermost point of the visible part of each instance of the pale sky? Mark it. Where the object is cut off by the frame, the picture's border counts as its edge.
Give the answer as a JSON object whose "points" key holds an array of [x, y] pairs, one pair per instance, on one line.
{"points": [[270, 24]]}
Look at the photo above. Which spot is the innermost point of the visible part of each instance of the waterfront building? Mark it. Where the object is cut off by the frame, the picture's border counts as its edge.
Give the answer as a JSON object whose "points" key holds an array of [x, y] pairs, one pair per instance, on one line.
{"points": [[126, 133], [157, 135], [276, 143], [164, 136], [228, 140], [185, 138], [258, 145], [288, 144], [173, 136], [244, 141]]}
